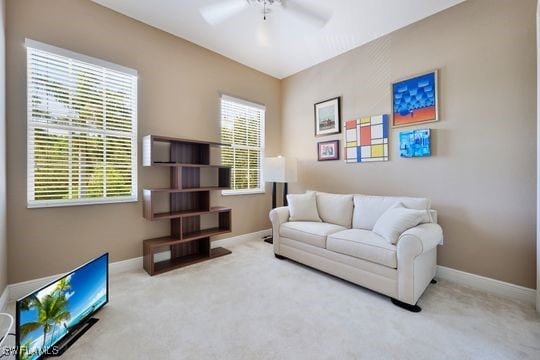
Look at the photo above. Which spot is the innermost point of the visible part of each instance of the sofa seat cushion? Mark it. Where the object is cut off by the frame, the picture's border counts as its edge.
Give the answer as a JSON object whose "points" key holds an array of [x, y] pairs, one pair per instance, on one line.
{"points": [[312, 233], [363, 244]]}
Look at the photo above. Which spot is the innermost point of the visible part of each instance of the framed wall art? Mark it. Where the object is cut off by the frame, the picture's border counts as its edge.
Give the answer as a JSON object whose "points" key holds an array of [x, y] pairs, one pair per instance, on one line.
{"points": [[366, 139], [415, 100], [328, 150], [328, 117], [415, 143]]}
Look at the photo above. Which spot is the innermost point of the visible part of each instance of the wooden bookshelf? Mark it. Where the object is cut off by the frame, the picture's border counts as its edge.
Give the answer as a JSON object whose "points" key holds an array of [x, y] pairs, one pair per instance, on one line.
{"points": [[188, 200]]}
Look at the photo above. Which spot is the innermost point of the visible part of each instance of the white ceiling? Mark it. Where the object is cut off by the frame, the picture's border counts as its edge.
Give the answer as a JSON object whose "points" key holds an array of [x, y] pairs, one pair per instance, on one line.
{"points": [[284, 44]]}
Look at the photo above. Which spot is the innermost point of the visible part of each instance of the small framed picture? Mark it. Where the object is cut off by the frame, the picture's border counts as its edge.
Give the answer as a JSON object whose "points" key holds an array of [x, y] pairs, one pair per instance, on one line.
{"points": [[415, 143], [328, 150], [415, 100], [328, 117]]}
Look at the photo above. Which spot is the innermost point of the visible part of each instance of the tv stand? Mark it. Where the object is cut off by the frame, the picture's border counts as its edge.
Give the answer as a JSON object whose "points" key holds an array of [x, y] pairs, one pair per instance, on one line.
{"points": [[72, 336]]}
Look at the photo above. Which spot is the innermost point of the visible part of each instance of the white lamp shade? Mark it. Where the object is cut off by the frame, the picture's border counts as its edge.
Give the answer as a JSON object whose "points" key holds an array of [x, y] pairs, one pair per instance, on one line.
{"points": [[280, 169]]}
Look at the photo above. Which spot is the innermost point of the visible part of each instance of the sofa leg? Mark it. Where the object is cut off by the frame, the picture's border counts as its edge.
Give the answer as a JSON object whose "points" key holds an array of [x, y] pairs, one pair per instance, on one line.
{"points": [[433, 281], [412, 308], [279, 256]]}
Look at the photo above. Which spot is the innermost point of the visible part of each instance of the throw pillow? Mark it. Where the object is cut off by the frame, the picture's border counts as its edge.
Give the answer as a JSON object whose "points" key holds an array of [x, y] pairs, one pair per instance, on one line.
{"points": [[303, 207], [369, 208], [394, 221]]}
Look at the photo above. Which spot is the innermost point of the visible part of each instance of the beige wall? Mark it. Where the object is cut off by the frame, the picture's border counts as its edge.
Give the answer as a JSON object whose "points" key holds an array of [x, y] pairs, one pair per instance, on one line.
{"points": [[482, 174], [3, 210], [481, 177], [179, 86]]}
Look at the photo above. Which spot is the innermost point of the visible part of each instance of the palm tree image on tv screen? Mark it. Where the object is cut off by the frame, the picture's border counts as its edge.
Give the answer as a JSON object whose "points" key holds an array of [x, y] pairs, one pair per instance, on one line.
{"points": [[49, 314]]}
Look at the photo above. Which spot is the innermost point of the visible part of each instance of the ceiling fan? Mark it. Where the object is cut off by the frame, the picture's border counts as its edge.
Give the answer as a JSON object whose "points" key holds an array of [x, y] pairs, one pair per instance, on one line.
{"points": [[224, 9]]}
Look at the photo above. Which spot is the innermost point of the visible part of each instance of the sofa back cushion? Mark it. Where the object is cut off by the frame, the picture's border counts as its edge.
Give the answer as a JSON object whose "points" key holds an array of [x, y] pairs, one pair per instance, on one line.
{"points": [[368, 208], [335, 208]]}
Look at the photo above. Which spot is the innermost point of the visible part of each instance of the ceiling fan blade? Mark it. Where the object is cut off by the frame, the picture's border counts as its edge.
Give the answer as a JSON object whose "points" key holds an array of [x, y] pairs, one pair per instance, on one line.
{"points": [[309, 15], [222, 10]]}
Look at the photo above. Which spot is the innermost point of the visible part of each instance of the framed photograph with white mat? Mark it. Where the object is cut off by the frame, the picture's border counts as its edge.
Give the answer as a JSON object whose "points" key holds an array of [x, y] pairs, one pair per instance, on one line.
{"points": [[328, 117]]}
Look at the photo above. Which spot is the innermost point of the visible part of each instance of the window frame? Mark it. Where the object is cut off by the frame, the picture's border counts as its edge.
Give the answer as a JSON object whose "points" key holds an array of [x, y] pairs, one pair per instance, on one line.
{"points": [[261, 189], [30, 124]]}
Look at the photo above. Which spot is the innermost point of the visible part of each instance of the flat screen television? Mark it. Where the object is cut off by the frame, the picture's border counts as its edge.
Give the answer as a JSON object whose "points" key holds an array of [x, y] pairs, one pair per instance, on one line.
{"points": [[54, 316]]}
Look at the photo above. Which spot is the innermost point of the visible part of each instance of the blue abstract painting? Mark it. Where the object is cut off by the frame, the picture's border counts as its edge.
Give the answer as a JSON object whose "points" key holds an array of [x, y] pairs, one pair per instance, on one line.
{"points": [[415, 143], [414, 100]]}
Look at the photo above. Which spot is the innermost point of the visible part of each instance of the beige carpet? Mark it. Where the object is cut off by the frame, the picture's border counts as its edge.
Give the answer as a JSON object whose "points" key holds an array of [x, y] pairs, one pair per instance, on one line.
{"points": [[249, 305]]}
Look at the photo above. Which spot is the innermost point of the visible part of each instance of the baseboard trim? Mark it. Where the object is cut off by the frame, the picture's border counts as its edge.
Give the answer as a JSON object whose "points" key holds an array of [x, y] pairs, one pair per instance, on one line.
{"points": [[486, 284], [15, 291], [239, 239], [4, 299], [118, 267], [230, 241], [18, 290]]}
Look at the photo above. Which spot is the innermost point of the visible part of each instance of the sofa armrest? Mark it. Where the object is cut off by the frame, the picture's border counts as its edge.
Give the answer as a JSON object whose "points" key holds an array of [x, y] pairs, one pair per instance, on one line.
{"points": [[417, 260], [278, 216], [418, 240]]}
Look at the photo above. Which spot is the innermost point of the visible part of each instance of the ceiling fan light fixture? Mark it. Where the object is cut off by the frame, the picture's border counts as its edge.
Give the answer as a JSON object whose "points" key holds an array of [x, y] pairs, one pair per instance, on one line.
{"points": [[265, 4], [221, 10]]}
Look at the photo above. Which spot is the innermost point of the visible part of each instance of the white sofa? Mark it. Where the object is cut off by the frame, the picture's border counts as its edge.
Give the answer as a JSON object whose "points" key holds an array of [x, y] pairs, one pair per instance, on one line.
{"points": [[344, 245]]}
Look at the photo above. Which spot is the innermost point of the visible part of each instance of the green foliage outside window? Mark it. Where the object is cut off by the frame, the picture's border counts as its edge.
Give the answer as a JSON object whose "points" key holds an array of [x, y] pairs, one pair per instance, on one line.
{"points": [[244, 155], [81, 135]]}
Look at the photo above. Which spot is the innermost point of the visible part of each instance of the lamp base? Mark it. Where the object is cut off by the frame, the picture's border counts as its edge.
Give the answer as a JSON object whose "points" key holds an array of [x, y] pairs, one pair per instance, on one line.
{"points": [[269, 239]]}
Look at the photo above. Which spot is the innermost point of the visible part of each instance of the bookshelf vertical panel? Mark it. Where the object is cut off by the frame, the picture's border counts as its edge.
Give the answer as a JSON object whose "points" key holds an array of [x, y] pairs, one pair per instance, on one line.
{"points": [[147, 151], [191, 177], [224, 177], [148, 209], [188, 153], [185, 249], [190, 201], [225, 220], [205, 246], [176, 177], [148, 258], [190, 225], [176, 228]]}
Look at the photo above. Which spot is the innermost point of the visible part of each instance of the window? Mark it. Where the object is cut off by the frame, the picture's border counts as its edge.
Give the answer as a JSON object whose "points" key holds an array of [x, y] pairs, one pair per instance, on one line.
{"points": [[82, 129], [242, 127]]}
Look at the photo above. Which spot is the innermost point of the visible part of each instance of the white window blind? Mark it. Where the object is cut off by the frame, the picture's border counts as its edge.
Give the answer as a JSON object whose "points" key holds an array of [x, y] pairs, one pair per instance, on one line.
{"points": [[82, 133], [242, 127]]}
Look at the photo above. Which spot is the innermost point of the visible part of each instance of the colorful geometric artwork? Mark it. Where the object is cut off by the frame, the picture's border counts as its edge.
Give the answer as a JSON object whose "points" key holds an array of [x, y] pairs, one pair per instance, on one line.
{"points": [[414, 100], [366, 139], [415, 143]]}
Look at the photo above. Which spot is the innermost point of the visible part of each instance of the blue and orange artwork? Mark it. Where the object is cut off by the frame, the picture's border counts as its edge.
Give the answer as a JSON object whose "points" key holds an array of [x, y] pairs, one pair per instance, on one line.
{"points": [[414, 100], [366, 139], [415, 143]]}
